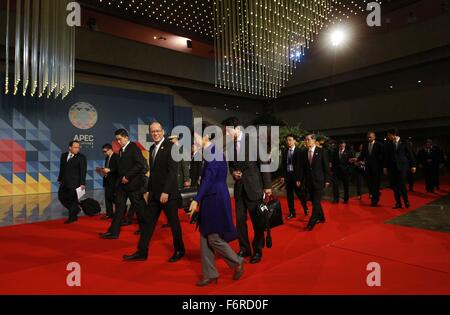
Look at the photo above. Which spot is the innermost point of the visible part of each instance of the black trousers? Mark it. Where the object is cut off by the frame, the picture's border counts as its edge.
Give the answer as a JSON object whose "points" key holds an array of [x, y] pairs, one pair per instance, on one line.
{"points": [[69, 199], [373, 177], [431, 174], [398, 179], [109, 200], [292, 188], [137, 201], [345, 179], [244, 205], [411, 180], [148, 226], [359, 177], [316, 199]]}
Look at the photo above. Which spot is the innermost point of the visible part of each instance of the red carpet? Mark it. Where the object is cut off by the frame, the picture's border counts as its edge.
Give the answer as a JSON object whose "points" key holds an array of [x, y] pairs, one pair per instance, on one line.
{"points": [[330, 260]]}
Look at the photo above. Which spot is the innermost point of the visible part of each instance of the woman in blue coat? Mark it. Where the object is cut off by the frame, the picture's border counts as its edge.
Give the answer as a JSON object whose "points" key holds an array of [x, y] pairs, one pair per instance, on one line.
{"points": [[215, 219]]}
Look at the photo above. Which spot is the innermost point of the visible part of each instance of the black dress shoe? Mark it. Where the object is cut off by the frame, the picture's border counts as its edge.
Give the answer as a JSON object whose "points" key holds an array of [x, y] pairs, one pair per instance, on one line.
{"points": [[320, 221], [374, 204], [135, 257], [256, 258], [138, 232], [306, 212], [346, 202], [176, 257], [407, 205], [311, 225], [107, 217], [397, 206], [125, 223], [238, 271], [108, 236], [205, 282], [71, 220], [291, 216], [165, 226], [243, 253]]}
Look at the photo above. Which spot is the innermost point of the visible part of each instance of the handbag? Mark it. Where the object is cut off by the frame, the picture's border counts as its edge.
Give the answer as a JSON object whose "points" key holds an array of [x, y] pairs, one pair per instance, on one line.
{"points": [[90, 207], [187, 195], [270, 216]]}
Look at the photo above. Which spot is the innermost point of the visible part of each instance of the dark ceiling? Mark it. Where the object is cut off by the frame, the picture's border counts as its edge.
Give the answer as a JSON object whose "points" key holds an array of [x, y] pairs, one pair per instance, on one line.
{"points": [[194, 18]]}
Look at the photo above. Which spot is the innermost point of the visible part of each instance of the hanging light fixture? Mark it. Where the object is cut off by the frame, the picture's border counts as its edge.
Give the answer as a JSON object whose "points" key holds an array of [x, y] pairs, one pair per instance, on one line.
{"points": [[258, 43], [44, 46]]}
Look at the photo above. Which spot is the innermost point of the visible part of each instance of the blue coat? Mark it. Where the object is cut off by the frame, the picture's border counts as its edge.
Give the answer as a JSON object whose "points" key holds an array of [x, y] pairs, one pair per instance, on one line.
{"points": [[214, 198]]}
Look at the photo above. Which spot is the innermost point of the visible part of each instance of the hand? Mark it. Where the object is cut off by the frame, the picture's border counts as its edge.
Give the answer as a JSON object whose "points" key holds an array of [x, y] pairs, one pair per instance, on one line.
{"points": [[385, 171], [164, 198], [298, 183], [237, 175], [268, 192], [282, 180], [124, 180], [413, 170], [106, 170], [146, 195], [327, 184], [193, 208], [83, 187]]}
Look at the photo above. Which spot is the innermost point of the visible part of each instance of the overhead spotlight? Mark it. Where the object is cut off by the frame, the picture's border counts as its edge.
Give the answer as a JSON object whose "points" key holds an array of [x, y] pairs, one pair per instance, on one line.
{"points": [[337, 37], [420, 81]]}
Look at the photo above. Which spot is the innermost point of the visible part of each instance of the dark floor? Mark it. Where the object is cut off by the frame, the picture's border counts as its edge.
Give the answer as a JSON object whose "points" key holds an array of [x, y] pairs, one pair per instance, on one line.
{"points": [[434, 216]]}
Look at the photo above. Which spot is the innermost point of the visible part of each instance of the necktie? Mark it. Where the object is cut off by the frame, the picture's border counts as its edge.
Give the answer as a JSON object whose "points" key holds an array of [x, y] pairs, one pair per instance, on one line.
{"points": [[108, 159], [69, 157], [370, 148], [153, 156], [310, 156]]}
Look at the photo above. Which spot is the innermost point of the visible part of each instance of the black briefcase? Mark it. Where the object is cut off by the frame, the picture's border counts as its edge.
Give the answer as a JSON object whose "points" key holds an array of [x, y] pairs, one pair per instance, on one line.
{"points": [[90, 207], [271, 216], [187, 195]]}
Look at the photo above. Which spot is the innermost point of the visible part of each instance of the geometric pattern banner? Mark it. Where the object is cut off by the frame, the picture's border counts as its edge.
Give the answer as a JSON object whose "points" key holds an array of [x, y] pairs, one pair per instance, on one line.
{"points": [[34, 133]]}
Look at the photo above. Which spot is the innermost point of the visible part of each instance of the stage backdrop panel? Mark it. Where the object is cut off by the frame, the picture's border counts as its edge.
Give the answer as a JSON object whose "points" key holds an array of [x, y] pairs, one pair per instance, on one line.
{"points": [[35, 131]]}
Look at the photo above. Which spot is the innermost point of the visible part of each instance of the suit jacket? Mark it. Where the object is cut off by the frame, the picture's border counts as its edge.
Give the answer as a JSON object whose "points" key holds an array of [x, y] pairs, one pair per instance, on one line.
{"points": [[163, 172], [430, 159], [110, 180], [284, 160], [72, 173], [133, 166], [374, 161], [341, 165], [195, 170], [253, 181], [214, 198], [317, 173], [400, 159]]}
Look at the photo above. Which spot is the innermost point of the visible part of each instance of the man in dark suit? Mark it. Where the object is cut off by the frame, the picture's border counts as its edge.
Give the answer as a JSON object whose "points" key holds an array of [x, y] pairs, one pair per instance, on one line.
{"points": [[131, 170], [289, 163], [163, 195], [371, 157], [109, 173], [430, 158], [341, 165], [314, 168], [250, 186], [72, 175], [195, 169], [398, 158]]}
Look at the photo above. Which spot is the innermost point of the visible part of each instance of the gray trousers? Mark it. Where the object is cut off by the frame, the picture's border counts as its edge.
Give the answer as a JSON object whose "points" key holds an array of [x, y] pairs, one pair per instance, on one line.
{"points": [[215, 244]]}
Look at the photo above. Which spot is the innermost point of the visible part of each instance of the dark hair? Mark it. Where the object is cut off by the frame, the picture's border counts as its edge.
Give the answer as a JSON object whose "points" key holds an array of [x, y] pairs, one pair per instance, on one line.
{"points": [[393, 131], [312, 135], [342, 141], [71, 143], [210, 135], [231, 122], [291, 136], [372, 132], [121, 132], [107, 146]]}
